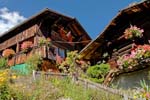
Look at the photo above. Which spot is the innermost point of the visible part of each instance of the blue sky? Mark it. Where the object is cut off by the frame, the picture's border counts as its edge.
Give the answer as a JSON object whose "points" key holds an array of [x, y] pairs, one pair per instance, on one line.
{"points": [[94, 15]]}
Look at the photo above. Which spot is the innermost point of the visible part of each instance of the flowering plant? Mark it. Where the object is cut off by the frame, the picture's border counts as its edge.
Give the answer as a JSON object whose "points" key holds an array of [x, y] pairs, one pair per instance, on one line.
{"points": [[137, 53], [26, 45], [3, 77], [132, 32], [143, 92], [127, 61], [8, 53], [142, 51], [6, 76]]}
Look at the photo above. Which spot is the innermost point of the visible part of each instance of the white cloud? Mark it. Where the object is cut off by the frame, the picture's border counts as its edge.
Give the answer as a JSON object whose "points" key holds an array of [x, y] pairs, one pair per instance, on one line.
{"points": [[9, 19]]}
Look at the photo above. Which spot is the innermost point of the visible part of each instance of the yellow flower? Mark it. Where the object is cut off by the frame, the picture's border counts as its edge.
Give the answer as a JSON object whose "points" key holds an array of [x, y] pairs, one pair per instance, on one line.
{"points": [[14, 77], [134, 96]]}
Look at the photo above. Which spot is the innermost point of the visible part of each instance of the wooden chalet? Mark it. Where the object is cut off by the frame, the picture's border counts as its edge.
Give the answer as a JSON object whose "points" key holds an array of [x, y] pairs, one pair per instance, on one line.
{"points": [[63, 32], [112, 40]]}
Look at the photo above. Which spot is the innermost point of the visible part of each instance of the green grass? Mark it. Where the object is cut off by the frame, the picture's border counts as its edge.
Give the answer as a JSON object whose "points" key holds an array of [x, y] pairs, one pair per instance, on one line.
{"points": [[78, 92], [54, 89]]}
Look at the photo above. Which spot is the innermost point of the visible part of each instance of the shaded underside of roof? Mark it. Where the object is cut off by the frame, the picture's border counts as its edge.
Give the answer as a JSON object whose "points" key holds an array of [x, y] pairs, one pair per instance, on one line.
{"points": [[120, 22]]}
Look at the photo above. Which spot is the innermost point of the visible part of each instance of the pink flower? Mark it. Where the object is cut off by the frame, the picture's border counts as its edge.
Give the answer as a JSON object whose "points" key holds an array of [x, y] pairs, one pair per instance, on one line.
{"points": [[26, 45], [147, 95], [133, 31]]}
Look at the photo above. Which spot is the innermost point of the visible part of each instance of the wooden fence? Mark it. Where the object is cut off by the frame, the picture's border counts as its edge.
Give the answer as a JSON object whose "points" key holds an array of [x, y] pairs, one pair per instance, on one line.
{"points": [[46, 75], [87, 84], [100, 87]]}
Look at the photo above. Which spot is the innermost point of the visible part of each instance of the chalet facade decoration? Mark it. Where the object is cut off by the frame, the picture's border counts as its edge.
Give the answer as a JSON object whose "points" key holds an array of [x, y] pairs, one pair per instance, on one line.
{"points": [[125, 39], [49, 34], [7, 53], [133, 32], [26, 46]]}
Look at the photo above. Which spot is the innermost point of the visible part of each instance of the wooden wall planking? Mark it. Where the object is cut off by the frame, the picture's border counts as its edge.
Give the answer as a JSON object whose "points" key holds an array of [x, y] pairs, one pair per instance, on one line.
{"points": [[30, 32]]}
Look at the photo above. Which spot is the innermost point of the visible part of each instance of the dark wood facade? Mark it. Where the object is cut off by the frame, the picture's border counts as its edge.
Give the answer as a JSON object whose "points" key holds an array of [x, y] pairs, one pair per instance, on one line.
{"points": [[112, 40], [46, 24]]}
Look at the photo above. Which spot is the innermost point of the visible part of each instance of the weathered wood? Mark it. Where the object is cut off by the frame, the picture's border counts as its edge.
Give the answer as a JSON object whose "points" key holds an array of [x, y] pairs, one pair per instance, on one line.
{"points": [[125, 52], [50, 54], [56, 36], [17, 47], [76, 29], [125, 48], [28, 33], [36, 40], [11, 61], [99, 87], [21, 58]]}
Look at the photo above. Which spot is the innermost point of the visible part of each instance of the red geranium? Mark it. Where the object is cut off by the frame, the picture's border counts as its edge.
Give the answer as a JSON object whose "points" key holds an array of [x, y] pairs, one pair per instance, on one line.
{"points": [[26, 45]]}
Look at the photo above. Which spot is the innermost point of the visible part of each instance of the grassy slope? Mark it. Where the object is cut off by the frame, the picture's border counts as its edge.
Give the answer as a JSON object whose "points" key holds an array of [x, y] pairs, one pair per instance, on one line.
{"points": [[54, 89]]}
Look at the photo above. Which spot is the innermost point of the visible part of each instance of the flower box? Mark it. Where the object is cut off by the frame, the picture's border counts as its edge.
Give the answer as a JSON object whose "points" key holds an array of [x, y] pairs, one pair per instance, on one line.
{"points": [[7, 53], [138, 55], [26, 46]]}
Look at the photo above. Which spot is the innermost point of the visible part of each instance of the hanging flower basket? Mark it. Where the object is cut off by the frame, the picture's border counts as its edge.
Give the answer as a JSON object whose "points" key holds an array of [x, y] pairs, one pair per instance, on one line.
{"points": [[133, 32], [7, 53], [26, 46]]}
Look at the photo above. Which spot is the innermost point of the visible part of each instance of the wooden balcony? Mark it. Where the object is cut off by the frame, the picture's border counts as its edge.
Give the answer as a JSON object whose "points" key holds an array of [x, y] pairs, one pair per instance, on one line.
{"points": [[22, 57], [26, 34]]}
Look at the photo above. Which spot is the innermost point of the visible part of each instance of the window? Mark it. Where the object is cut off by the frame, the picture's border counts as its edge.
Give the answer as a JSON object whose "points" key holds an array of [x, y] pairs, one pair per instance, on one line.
{"points": [[60, 52]]}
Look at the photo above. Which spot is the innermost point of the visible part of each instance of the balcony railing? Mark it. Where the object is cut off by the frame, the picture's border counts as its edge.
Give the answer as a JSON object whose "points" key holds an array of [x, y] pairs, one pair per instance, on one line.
{"points": [[21, 57]]}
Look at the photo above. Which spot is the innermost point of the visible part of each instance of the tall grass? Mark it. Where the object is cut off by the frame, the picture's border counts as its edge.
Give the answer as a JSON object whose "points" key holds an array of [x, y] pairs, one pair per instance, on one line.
{"points": [[25, 88], [79, 92]]}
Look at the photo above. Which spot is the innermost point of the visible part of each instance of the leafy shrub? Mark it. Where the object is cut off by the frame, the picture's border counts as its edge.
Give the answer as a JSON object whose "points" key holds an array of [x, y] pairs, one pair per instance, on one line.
{"points": [[44, 41], [68, 66], [33, 61], [5, 93], [97, 72], [3, 63], [147, 54]]}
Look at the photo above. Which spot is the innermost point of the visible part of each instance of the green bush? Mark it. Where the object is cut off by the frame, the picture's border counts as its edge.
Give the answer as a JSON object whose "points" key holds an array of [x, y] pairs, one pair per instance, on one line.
{"points": [[3, 63], [97, 72], [33, 62], [4, 92], [147, 54], [69, 66]]}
